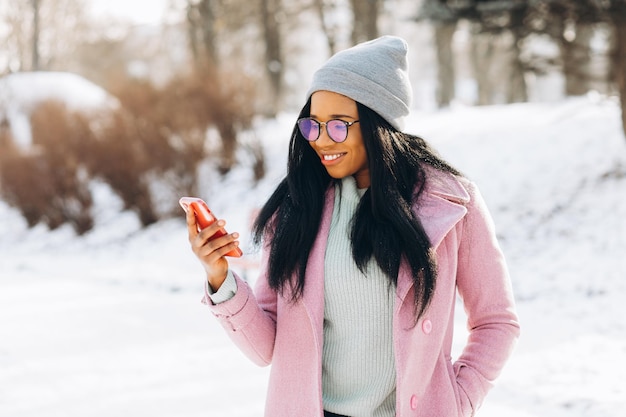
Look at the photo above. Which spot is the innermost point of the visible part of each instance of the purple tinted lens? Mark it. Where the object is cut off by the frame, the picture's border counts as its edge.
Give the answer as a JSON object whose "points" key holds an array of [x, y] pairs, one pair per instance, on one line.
{"points": [[309, 128], [337, 130]]}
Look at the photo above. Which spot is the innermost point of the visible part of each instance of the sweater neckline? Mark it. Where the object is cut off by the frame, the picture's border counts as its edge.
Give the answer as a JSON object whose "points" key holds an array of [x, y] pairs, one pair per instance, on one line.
{"points": [[349, 190]]}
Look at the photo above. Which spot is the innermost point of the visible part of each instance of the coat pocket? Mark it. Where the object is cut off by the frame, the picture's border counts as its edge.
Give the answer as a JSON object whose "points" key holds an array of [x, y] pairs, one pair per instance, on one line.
{"points": [[463, 404]]}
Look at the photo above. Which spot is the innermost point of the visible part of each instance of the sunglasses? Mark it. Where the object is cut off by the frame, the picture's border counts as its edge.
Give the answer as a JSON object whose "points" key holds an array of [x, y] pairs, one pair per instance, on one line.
{"points": [[337, 129]]}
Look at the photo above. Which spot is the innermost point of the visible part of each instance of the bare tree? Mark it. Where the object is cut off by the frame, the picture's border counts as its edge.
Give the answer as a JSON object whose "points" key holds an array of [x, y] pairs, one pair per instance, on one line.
{"points": [[483, 54], [193, 21], [446, 78], [575, 47], [365, 23], [617, 15], [581, 15], [444, 21], [571, 25], [35, 51], [492, 24], [321, 7], [271, 10], [17, 42], [40, 35], [517, 91], [505, 21], [211, 22], [201, 23]]}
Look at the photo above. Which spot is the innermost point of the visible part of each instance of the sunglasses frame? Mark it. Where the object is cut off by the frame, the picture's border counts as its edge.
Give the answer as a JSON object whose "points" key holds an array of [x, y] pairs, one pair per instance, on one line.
{"points": [[325, 124]]}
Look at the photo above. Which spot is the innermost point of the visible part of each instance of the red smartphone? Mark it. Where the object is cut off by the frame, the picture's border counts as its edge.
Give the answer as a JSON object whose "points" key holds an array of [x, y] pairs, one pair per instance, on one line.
{"points": [[205, 218]]}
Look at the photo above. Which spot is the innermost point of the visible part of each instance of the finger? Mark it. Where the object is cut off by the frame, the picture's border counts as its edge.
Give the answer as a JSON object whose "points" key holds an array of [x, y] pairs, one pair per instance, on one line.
{"points": [[213, 249], [223, 250], [214, 231], [192, 225]]}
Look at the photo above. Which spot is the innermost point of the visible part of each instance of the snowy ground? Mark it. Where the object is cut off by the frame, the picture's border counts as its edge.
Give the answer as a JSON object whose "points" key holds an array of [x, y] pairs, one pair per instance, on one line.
{"points": [[112, 324]]}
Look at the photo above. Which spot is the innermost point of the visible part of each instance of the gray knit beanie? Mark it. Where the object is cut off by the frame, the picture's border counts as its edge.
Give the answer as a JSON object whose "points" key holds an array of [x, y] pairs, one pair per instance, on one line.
{"points": [[374, 73]]}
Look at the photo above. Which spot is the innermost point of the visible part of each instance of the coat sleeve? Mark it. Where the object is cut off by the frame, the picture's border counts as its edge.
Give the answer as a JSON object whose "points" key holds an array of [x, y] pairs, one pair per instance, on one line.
{"points": [[250, 319], [484, 285]]}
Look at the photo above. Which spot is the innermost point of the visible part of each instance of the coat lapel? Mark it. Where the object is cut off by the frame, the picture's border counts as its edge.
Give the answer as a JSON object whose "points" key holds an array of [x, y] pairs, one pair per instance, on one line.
{"points": [[440, 207], [313, 296]]}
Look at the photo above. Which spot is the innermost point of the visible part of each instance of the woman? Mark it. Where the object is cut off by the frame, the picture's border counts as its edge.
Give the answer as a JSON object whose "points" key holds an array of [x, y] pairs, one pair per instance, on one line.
{"points": [[366, 242]]}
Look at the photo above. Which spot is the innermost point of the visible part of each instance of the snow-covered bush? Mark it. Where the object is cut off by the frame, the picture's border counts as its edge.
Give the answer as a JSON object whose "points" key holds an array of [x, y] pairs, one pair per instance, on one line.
{"points": [[141, 140], [49, 182]]}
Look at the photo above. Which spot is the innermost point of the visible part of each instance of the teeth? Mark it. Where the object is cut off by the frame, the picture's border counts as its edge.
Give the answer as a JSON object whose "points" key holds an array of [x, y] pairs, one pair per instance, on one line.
{"points": [[332, 157]]}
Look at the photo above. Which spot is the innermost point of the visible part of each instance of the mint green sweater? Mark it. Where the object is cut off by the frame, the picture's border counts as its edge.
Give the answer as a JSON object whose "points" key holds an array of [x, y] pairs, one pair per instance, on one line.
{"points": [[358, 368]]}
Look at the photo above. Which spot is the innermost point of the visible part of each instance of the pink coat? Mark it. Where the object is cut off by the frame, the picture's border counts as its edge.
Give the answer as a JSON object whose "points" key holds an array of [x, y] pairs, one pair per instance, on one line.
{"points": [[271, 330]]}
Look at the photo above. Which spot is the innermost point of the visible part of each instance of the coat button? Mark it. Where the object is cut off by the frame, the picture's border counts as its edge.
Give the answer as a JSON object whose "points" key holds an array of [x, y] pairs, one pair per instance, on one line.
{"points": [[413, 402], [427, 326]]}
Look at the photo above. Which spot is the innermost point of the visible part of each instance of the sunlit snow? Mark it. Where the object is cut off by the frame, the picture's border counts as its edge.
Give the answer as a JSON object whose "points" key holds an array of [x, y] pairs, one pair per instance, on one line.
{"points": [[111, 324]]}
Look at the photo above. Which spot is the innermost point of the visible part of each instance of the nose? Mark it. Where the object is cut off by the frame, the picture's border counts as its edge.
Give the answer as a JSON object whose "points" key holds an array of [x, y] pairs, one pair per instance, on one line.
{"points": [[324, 139]]}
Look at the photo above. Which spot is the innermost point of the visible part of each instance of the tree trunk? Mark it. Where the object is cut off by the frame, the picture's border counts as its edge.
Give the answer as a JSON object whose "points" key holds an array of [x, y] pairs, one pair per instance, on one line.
{"points": [[228, 135], [576, 56], [273, 51], [320, 7], [446, 92], [619, 61], [516, 89], [192, 25], [482, 56], [201, 28], [202, 18], [207, 17], [35, 58], [365, 23]]}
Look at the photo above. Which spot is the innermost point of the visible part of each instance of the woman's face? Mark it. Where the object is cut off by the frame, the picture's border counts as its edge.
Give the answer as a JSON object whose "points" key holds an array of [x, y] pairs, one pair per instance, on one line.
{"points": [[345, 158]]}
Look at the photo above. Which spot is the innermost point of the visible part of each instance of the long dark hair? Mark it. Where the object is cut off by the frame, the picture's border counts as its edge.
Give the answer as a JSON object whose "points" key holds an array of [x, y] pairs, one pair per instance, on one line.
{"points": [[384, 228]]}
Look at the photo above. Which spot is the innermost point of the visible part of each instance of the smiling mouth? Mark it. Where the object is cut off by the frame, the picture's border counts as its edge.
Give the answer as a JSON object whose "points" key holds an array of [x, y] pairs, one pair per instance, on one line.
{"points": [[332, 157]]}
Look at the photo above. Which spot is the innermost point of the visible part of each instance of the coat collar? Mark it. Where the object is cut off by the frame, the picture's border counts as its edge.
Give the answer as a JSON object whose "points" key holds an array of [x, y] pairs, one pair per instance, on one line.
{"points": [[440, 207]]}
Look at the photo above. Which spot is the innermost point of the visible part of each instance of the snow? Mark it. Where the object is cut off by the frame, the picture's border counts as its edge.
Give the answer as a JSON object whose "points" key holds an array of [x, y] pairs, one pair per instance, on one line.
{"points": [[21, 92], [111, 323]]}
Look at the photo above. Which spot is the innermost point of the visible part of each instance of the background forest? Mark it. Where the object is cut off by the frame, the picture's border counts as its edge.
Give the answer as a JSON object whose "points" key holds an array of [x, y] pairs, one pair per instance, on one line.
{"points": [[109, 115], [187, 89]]}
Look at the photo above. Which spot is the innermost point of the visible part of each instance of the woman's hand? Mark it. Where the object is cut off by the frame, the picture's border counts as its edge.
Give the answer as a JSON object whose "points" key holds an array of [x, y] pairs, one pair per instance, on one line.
{"points": [[211, 251]]}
